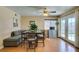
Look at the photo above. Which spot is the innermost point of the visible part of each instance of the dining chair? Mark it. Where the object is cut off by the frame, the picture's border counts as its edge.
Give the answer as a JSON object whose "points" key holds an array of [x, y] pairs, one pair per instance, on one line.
{"points": [[41, 37], [31, 41], [23, 38]]}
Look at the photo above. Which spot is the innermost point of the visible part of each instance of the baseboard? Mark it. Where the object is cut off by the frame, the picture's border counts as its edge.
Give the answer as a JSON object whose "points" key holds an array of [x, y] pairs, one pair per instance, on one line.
{"points": [[59, 37], [69, 42], [1, 47]]}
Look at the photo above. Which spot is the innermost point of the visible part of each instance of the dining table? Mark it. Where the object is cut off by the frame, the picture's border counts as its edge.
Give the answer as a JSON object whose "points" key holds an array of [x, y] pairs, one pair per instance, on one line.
{"points": [[31, 32]]}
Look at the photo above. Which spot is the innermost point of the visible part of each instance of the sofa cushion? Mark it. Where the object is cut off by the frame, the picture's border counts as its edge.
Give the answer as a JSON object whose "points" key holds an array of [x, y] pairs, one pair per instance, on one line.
{"points": [[16, 33]]}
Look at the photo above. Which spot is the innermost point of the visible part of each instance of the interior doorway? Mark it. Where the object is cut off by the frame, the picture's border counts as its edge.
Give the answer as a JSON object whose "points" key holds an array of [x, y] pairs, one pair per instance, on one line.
{"points": [[50, 27]]}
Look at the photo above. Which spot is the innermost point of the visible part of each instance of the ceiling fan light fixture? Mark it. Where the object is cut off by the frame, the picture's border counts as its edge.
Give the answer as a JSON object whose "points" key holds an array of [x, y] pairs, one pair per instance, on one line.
{"points": [[45, 14]]}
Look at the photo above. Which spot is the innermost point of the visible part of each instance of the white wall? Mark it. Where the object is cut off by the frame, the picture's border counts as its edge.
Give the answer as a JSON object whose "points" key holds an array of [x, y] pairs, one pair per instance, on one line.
{"points": [[6, 23]]}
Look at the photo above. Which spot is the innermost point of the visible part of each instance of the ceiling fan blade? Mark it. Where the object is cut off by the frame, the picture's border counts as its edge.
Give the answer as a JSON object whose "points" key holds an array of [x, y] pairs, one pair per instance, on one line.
{"points": [[52, 12]]}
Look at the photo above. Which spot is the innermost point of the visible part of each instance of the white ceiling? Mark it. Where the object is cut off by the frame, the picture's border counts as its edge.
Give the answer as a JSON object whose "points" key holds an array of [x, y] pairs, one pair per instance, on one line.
{"points": [[36, 10]]}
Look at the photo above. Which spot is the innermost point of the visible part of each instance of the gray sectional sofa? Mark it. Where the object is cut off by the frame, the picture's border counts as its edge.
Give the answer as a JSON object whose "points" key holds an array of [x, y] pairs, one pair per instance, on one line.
{"points": [[14, 40]]}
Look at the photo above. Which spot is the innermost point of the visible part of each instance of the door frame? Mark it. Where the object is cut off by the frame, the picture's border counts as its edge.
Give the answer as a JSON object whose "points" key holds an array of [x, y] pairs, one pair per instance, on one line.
{"points": [[57, 23]]}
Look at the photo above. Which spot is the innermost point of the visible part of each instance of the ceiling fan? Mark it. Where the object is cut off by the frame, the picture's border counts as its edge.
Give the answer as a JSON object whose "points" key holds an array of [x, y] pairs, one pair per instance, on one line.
{"points": [[46, 12]]}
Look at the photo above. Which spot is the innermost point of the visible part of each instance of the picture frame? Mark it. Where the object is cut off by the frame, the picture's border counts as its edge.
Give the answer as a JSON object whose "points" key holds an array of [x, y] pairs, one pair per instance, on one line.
{"points": [[15, 22]]}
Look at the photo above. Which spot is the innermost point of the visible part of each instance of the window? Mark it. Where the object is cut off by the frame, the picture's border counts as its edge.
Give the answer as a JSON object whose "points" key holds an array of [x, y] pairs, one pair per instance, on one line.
{"points": [[62, 28], [47, 25], [71, 28]]}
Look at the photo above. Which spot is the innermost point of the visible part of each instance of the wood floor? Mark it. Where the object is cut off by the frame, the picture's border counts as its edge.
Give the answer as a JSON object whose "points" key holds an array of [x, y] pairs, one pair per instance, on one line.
{"points": [[51, 45]]}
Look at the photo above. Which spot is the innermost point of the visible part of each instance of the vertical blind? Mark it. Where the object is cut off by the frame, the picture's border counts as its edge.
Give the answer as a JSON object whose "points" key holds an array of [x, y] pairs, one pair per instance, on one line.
{"points": [[63, 28], [71, 28]]}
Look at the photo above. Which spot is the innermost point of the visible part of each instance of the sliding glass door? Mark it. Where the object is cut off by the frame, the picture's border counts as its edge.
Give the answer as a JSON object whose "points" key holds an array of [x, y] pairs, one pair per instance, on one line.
{"points": [[71, 29]]}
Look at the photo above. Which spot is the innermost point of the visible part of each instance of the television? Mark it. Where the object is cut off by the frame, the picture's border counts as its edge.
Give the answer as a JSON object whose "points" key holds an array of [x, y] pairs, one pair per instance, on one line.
{"points": [[52, 28]]}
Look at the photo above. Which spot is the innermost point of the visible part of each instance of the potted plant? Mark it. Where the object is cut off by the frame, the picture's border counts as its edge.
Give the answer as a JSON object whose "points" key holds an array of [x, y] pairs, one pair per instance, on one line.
{"points": [[33, 27]]}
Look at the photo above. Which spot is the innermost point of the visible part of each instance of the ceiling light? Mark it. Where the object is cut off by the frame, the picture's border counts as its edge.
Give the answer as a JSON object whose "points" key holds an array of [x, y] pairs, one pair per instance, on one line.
{"points": [[45, 12]]}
